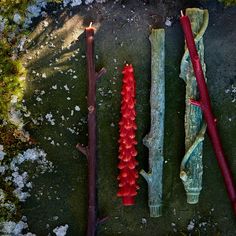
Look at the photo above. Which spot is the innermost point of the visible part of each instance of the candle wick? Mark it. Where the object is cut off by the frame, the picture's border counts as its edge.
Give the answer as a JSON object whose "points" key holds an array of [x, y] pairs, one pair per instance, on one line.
{"points": [[90, 25], [181, 12]]}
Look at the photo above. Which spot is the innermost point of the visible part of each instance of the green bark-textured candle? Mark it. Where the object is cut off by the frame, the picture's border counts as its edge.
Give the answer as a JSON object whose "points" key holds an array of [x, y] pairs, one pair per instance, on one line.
{"points": [[154, 140], [191, 169]]}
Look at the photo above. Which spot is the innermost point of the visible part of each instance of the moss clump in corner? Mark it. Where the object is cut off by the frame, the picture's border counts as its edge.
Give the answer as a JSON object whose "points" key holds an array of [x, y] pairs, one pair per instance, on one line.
{"points": [[12, 75], [9, 204], [10, 6], [11, 141], [12, 84], [12, 72]]}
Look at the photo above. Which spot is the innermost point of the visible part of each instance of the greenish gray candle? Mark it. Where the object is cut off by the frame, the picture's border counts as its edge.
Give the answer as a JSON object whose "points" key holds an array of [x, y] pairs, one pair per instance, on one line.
{"points": [[191, 168], [154, 140]]}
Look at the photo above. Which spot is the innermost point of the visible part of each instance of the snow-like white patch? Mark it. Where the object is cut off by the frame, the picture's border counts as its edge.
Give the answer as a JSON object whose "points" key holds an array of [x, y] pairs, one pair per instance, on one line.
{"points": [[2, 195], [17, 18], [75, 3], [168, 21], [88, 1], [2, 153], [38, 99], [61, 230], [2, 170], [190, 226], [34, 10], [66, 2], [49, 118], [232, 92], [77, 108], [71, 130], [2, 23], [15, 117], [12, 228], [21, 44], [20, 179], [66, 87], [72, 3]]}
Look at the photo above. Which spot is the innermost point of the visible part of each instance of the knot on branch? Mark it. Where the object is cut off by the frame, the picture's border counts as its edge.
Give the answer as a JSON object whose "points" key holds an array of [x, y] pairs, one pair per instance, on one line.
{"points": [[146, 176], [91, 109], [82, 149]]}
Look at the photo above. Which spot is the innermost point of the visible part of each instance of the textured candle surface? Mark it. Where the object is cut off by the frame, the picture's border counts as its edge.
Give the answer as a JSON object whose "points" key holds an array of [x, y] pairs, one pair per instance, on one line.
{"points": [[154, 140], [127, 141], [191, 169], [205, 105]]}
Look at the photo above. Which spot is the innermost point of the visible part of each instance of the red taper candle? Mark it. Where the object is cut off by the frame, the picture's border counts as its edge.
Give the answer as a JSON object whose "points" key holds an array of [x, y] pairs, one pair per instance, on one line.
{"points": [[205, 104], [127, 152]]}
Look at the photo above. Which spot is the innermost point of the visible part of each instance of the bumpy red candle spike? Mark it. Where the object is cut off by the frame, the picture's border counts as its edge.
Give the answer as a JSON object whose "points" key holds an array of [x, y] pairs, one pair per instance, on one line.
{"points": [[127, 152]]}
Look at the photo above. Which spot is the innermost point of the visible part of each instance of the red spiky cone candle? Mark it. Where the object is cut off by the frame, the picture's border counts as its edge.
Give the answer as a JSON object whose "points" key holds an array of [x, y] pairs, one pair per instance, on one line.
{"points": [[127, 151]]}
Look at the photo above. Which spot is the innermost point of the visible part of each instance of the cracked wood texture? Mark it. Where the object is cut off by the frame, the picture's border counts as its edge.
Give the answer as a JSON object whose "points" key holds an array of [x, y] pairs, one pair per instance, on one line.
{"points": [[154, 140], [191, 169]]}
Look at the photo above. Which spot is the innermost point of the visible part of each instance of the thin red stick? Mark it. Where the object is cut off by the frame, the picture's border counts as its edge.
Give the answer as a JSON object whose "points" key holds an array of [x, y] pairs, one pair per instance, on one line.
{"points": [[205, 104], [90, 150]]}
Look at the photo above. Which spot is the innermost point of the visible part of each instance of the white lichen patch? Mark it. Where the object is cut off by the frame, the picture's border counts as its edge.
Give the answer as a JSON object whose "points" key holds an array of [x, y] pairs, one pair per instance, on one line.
{"points": [[77, 108], [2, 153], [12, 228], [2, 23], [50, 119], [61, 230], [191, 225], [54, 87], [232, 92], [19, 178]]}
